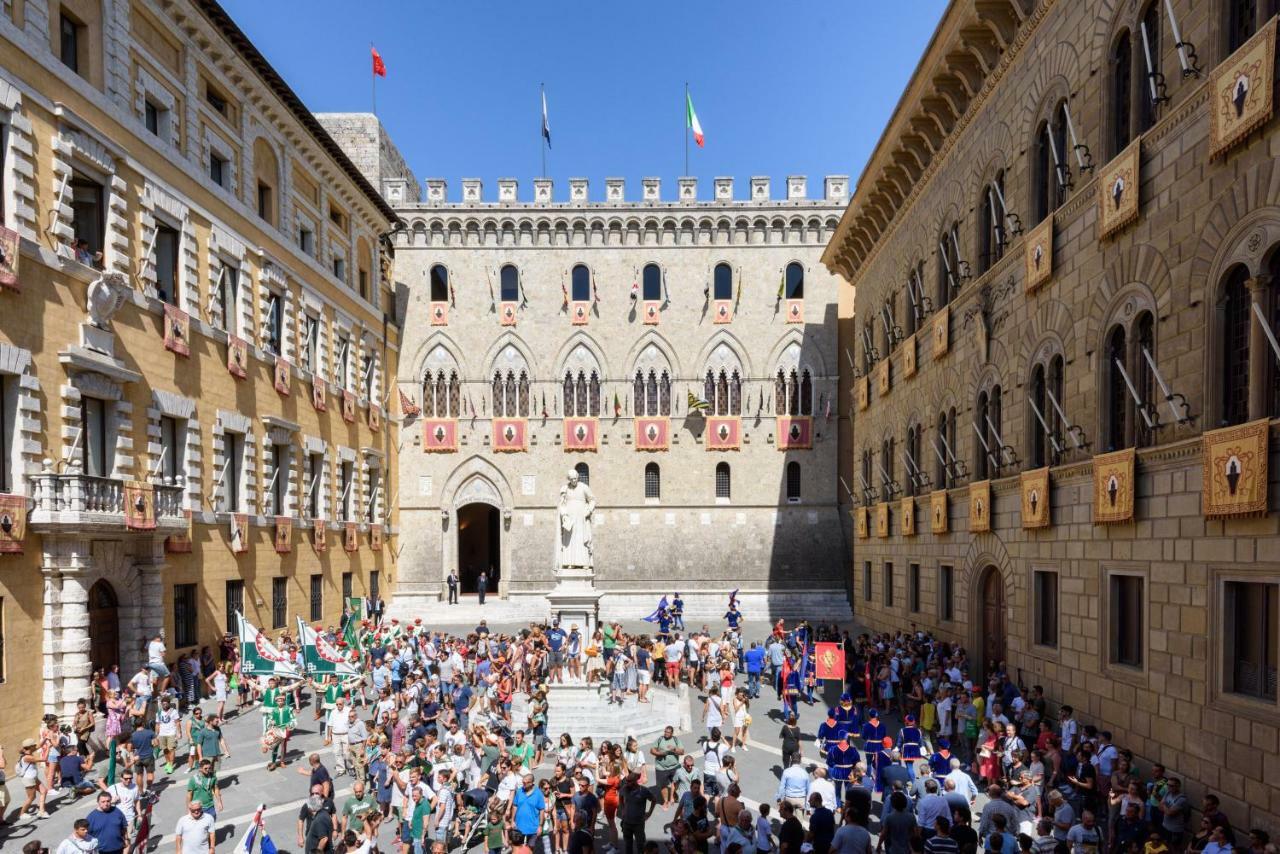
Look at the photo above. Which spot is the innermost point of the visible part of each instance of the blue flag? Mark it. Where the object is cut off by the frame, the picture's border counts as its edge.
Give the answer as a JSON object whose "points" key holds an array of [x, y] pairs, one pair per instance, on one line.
{"points": [[662, 606], [268, 847]]}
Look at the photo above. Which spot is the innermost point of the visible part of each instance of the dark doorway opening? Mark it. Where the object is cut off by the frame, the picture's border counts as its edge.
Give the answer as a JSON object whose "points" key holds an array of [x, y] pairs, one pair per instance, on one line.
{"points": [[104, 626], [993, 619], [479, 546]]}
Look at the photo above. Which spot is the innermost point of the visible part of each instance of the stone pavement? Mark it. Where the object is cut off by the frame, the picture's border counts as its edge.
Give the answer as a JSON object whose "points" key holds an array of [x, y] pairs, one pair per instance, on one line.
{"points": [[246, 782]]}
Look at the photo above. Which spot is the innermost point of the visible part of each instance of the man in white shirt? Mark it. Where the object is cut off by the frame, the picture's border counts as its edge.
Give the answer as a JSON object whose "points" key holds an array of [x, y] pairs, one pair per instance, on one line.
{"points": [[824, 788], [124, 795], [1068, 729], [357, 734], [155, 662], [194, 832], [946, 706], [962, 782], [142, 688], [168, 723], [336, 727]]}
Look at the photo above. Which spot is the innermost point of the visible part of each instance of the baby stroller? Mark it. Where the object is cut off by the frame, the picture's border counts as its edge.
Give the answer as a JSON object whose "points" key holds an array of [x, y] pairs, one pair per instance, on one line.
{"points": [[473, 817]]}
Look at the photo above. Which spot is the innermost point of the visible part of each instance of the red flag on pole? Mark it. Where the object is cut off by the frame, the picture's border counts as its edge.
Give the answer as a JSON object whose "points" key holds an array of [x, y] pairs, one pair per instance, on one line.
{"points": [[828, 661], [379, 67]]}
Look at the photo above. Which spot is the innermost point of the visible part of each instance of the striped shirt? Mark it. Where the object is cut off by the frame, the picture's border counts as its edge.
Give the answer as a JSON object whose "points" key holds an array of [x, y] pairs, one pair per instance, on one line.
{"points": [[941, 845]]}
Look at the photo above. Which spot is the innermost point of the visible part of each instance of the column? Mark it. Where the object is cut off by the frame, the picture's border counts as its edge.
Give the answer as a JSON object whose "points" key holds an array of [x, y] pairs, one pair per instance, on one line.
{"points": [[66, 567], [1260, 354], [149, 565]]}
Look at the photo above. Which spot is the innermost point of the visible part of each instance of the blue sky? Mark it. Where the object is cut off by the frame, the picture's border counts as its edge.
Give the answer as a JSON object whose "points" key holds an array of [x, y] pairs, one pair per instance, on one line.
{"points": [[782, 87]]}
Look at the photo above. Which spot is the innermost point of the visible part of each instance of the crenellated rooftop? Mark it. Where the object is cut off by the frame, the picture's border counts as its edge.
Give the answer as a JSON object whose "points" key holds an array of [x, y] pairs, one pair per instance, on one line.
{"points": [[835, 192]]}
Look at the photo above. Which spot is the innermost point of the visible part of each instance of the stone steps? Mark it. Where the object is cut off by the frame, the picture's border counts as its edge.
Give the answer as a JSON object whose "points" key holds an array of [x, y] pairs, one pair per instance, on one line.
{"points": [[585, 711]]}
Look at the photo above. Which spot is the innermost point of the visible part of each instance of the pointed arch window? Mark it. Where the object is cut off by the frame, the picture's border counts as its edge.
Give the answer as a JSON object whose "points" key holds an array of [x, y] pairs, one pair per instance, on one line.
{"points": [[887, 453], [651, 394], [722, 282], [455, 394], [806, 393], [580, 409], [499, 408], [1121, 92], [523, 395], [509, 283], [793, 395], [1041, 452], [912, 461], [439, 283], [991, 239], [568, 394], [582, 394], [735, 394], [440, 394], [795, 280], [780, 393], [867, 479], [651, 282], [638, 393], [664, 394], [509, 395], [580, 287]]}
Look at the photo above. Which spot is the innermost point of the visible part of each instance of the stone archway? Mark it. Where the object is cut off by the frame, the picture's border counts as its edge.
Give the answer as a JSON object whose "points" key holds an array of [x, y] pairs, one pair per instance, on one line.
{"points": [[480, 512], [479, 547]]}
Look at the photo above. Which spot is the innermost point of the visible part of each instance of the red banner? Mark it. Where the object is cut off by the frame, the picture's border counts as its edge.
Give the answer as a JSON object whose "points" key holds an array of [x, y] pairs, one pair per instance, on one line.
{"points": [[348, 407], [653, 434], [237, 357], [508, 314], [177, 330], [375, 537], [13, 523], [723, 311], [439, 435], [828, 661], [580, 434], [139, 506], [283, 374], [794, 431], [579, 312], [284, 534], [318, 394], [10, 255], [320, 535], [439, 314], [652, 312], [724, 433], [375, 417], [239, 533], [351, 537], [510, 434]]}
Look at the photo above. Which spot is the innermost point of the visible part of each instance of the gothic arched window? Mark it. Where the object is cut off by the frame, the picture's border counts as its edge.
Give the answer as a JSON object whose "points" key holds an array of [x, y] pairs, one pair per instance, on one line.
{"points": [[795, 280], [580, 288], [722, 282], [806, 393], [509, 284], [651, 282]]}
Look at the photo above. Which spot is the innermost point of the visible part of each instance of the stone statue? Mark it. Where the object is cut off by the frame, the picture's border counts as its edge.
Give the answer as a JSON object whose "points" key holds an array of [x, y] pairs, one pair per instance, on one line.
{"points": [[106, 295], [576, 506]]}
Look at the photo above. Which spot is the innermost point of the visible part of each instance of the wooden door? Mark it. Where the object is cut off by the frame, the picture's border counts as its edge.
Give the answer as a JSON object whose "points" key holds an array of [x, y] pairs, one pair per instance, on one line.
{"points": [[993, 620], [104, 626]]}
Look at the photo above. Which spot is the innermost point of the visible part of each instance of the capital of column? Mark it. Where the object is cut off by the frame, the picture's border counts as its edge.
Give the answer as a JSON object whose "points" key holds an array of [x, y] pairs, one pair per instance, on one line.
{"points": [[1258, 285]]}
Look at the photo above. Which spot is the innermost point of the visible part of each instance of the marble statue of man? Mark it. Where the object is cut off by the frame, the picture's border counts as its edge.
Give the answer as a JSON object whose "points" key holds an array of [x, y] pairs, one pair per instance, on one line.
{"points": [[576, 506]]}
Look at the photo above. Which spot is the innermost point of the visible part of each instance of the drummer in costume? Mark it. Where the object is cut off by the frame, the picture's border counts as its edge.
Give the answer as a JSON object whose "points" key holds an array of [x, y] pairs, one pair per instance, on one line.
{"points": [[280, 725], [841, 757], [909, 740]]}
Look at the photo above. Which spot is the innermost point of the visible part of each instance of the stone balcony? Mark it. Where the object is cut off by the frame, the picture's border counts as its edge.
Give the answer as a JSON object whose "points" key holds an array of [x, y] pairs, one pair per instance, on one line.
{"points": [[74, 502]]}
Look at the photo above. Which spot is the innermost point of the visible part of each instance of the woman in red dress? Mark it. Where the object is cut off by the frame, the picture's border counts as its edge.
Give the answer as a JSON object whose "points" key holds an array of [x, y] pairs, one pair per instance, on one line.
{"points": [[989, 754], [610, 800]]}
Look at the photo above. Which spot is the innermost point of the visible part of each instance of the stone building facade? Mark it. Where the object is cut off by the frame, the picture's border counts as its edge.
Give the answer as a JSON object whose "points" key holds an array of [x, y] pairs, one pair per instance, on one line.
{"points": [[1033, 351], [365, 140], [530, 303], [199, 298]]}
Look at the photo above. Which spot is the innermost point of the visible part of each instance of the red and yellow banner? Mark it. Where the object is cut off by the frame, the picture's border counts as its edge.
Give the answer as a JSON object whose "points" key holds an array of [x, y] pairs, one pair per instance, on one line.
{"points": [[179, 544], [1113, 479], [177, 330], [795, 432], [510, 435], [375, 537], [319, 394], [284, 534], [653, 434], [239, 533], [828, 661], [908, 512], [375, 416], [579, 312], [651, 311], [348, 406], [581, 434], [938, 511], [13, 523], [722, 311], [1242, 91], [1036, 511], [237, 357], [1235, 470], [139, 506], [320, 535], [724, 433], [439, 314], [980, 506], [283, 374], [1118, 191], [350, 537], [439, 435]]}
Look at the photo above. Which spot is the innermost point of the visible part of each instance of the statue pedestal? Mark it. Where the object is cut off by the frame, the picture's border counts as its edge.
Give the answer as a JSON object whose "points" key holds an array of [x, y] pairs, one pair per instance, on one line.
{"points": [[575, 599]]}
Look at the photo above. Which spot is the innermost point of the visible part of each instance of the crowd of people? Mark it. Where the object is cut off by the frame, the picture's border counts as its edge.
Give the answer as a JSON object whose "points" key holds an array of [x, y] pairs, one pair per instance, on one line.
{"points": [[932, 758]]}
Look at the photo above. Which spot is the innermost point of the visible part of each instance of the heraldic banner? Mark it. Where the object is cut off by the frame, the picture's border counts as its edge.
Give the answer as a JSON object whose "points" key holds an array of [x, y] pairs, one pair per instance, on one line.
{"points": [[795, 432], [1235, 470], [439, 435], [177, 330], [13, 523], [1035, 498], [828, 661], [139, 506], [320, 535], [510, 435], [908, 512], [882, 520], [581, 434], [1242, 91], [980, 506], [284, 534], [861, 523], [723, 433], [653, 434], [1113, 487], [938, 511]]}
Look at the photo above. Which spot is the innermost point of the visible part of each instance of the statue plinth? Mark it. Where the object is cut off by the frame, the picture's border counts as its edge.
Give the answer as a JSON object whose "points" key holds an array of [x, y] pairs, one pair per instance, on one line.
{"points": [[575, 599]]}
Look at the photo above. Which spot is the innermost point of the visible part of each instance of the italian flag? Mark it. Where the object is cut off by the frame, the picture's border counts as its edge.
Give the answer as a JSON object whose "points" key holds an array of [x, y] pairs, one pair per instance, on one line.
{"points": [[691, 120]]}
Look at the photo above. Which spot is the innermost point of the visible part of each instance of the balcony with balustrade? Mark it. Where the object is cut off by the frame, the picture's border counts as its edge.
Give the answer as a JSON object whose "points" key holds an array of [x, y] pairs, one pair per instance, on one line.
{"points": [[73, 502]]}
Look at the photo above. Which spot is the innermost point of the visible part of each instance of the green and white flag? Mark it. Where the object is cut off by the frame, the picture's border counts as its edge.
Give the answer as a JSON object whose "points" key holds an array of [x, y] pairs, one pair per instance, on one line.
{"points": [[351, 636], [321, 657], [259, 656]]}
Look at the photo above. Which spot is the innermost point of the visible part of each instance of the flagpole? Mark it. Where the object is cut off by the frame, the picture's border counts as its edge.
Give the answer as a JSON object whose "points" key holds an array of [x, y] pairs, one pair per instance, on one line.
{"points": [[686, 128], [542, 142], [373, 84]]}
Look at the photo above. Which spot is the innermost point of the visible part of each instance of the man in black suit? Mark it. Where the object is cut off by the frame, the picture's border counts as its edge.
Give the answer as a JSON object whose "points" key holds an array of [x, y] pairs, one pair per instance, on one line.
{"points": [[482, 585], [452, 581]]}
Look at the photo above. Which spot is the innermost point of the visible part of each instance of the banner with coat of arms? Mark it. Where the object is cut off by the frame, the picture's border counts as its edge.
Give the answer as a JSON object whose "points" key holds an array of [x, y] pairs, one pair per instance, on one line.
{"points": [[259, 656], [510, 435], [1235, 470], [284, 534], [439, 314], [795, 432], [883, 381], [909, 357], [861, 523], [177, 330], [581, 434], [239, 533], [862, 391], [1242, 91], [1036, 507], [348, 406], [723, 433], [179, 544], [652, 312], [350, 537], [908, 517], [938, 512], [439, 435], [579, 312], [375, 416], [139, 506], [1113, 479], [237, 357], [980, 506], [882, 520], [507, 314], [283, 374], [941, 332], [1118, 191], [375, 537], [653, 434], [13, 523], [10, 257], [795, 311], [320, 535], [319, 394], [1037, 252], [722, 311]]}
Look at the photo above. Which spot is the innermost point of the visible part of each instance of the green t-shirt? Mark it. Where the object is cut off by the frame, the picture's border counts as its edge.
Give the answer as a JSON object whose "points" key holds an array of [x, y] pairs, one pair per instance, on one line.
{"points": [[522, 753], [282, 717], [269, 698], [197, 728], [358, 806], [610, 637], [332, 693], [493, 836], [210, 743], [418, 819], [491, 755], [667, 761], [201, 789]]}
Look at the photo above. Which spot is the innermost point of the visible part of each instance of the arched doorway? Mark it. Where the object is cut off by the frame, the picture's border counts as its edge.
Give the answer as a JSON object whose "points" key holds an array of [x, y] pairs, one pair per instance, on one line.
{"points": [[993, 619], [104, 625], [479, 546]]}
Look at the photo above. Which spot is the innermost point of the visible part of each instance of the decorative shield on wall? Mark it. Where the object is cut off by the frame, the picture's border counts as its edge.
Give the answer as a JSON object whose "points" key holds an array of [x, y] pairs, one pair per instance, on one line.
{"points": [[581, 434], [375, 417], [1235, 470], [908, 517], [507, 313], [909, 357], [980, 506], [439, 314], [653, 434], [882, 520], [1038, 255], [795, 432], [350, 537], [439, 435], [941, 332], [348, 406], [651, 310], [1118, 191], [724, 433], [510, 434], [938, 511], [239, 532], [284, 534], [139, 506], [177, 330], [283, 373], [1113, 479], [319, 394], [1035, 498], [237, 357], [860, 522], [795, 311], [1242, 91], [13, 523], [579, 312], [375, 537]]}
